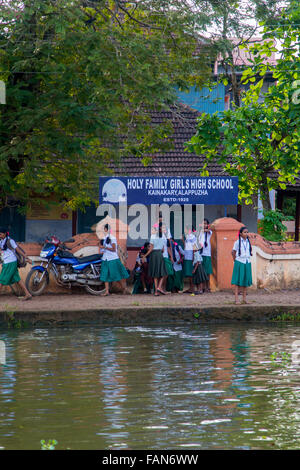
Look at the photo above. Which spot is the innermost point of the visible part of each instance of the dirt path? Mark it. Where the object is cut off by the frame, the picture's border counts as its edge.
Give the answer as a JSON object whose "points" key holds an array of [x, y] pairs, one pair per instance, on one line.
{"points": [[69, 302]]}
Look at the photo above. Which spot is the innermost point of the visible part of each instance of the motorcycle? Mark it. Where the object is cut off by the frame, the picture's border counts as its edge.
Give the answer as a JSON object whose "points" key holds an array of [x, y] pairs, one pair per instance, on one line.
{"points": [[67, 270]]}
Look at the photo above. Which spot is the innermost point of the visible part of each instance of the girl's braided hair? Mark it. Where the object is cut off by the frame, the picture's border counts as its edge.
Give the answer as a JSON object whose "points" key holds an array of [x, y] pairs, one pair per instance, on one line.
{"points": [[250, 246], [4, 230], [107, 227], [205, 236]]}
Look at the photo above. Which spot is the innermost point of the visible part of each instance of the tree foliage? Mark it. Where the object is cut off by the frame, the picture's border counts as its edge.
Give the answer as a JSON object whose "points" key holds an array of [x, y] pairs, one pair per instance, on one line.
{"points": [[81, 77], [259, 142], [236, 26], [272, 227]]}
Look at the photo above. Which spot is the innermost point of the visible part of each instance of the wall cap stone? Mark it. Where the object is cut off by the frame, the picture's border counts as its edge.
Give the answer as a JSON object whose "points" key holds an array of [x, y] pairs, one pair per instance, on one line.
{"points": [[274, 248], [226, 224]]}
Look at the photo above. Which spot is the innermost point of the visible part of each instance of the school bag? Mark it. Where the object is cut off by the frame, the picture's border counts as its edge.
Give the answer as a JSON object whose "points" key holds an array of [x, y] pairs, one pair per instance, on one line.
{"points": [[21, 260]]}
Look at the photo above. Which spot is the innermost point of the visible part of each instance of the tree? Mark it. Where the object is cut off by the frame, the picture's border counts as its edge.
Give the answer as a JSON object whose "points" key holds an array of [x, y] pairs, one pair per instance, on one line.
{"points": [[260, 142], [81, 77], [236, 26]]}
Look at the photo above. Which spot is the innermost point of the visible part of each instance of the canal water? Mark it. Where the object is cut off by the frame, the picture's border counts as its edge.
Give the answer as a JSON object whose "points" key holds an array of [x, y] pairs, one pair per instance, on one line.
{"points": [[178, 387]]}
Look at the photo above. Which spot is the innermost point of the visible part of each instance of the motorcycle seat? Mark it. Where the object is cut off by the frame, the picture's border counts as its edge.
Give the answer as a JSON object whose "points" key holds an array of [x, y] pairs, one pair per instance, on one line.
{"points": [[65, 254], [88, 259]]}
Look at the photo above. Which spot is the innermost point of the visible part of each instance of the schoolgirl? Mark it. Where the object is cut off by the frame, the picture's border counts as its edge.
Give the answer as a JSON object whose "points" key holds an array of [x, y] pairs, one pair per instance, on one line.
{"points": [[141, 277], [9, 273], [161, 223], [145, 278], [178, 257], [242, 275], [112, 270], [157, 268], [204, 240], [168, 256], [199, 277], [189, 239]]}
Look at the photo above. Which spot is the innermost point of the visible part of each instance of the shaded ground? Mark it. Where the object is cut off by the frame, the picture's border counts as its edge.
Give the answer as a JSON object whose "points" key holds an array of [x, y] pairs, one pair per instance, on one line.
{"points": [[83, 301]]}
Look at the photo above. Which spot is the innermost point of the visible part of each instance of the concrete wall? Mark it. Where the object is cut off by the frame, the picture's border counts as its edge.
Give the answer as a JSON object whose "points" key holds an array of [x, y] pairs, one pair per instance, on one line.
{"points": [[276, 270], [274, 265]]}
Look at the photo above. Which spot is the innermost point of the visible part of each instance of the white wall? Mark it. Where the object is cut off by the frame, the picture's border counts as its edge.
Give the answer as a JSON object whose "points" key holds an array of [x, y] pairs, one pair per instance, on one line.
{"points": [[278, 271]]}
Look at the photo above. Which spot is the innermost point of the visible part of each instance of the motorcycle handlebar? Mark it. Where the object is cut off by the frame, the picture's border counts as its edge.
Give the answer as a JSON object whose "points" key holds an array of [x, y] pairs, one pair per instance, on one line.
{"points": [[62, 245]]}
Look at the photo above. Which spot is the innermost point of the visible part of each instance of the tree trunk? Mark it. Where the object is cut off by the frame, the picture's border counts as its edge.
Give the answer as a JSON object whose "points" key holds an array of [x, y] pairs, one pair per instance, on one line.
{"points": [[236, 91], [265, 199]]}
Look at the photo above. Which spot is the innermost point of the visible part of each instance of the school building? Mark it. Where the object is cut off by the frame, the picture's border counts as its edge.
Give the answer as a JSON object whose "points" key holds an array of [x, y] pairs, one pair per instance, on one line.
{"points": [[40, 222]]}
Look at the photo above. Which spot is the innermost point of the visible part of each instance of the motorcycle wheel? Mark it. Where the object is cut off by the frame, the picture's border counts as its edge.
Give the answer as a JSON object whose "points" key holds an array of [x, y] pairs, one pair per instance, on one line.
{"points": [[94, 290], [35, 283]]}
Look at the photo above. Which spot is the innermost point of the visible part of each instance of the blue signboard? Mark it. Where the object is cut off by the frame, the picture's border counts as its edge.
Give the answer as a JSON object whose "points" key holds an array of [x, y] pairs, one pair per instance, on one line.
{"points": [[170, 190]]}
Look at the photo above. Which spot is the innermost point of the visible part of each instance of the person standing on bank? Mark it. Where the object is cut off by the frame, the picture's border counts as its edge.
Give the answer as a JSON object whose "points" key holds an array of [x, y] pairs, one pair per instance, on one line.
{"points": [[157, 268], [10, 274], [112, 270], [199, 275], [189, 239], [242, 275], [168, 258], [167, 230], [176, 282], [204, 240]]}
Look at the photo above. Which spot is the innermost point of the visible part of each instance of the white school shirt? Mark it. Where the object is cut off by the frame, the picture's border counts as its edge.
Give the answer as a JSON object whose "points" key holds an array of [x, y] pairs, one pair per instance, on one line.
{"points": [[177, 266], [165, 252], [245, 256], [169, 233], [8, 255], [206, 250], [197, 258], [190, 240], [110, 255], [157, 242]]}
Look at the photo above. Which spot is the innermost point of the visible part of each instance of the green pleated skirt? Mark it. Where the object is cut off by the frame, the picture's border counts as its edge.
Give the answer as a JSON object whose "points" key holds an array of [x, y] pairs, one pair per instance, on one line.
{"points": [[113, 271], [9, 274], [169, 266], [178, 280], [175, 281], [137, 285], [157, 266], [206, 263], [242, 274], [187, 268], [200, 275]]}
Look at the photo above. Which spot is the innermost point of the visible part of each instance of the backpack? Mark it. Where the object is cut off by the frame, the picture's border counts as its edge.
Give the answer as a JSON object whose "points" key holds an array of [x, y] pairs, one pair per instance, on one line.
{"points": [[21, 260]]}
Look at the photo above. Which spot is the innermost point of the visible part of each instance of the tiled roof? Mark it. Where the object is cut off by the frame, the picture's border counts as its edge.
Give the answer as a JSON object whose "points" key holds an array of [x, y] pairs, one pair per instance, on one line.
{"points": [[294, 187], [175, 161]]}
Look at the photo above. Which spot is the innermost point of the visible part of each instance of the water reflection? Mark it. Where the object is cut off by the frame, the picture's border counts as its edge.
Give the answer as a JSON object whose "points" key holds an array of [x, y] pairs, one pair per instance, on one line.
{"points": [[202, 387]]}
